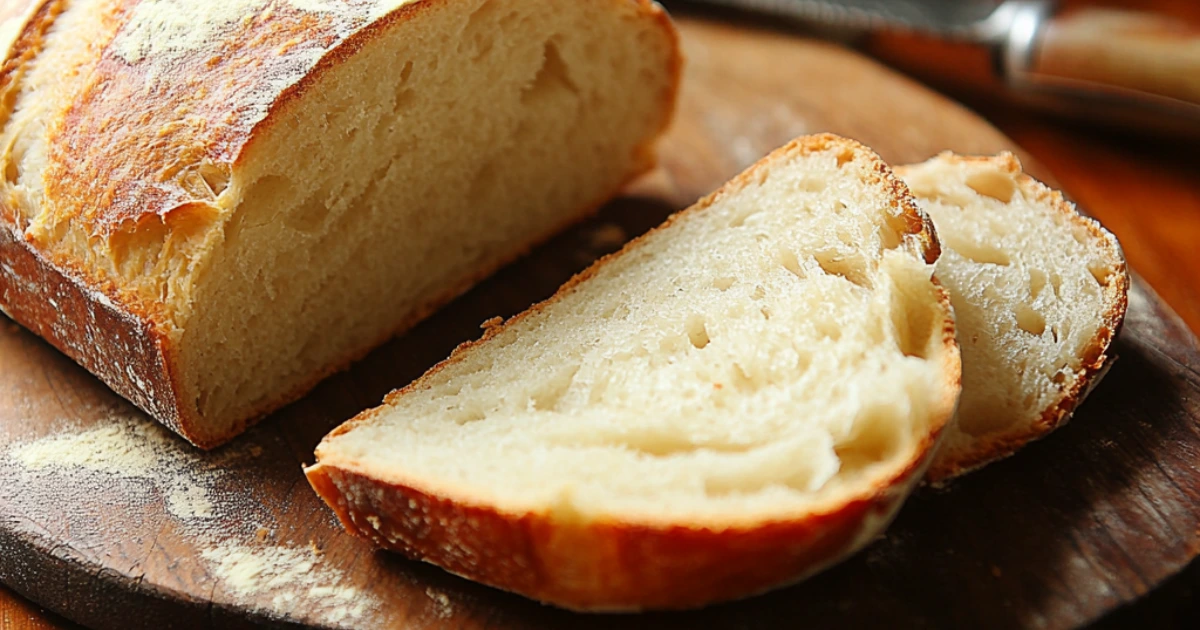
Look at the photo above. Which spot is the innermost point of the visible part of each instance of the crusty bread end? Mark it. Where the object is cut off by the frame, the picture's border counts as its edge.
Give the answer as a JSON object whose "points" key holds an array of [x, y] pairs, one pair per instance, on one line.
{"points": [[1039, 293]]}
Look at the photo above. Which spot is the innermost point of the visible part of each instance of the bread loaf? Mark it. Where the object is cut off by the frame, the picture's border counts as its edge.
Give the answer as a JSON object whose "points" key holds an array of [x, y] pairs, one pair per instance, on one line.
{"points": [[1039, 292], [213, 205], [729, 404]]}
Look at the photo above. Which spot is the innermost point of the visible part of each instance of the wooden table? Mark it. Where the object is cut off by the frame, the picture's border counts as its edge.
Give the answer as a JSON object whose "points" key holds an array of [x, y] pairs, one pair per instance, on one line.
{"points": [[1146, 191]]}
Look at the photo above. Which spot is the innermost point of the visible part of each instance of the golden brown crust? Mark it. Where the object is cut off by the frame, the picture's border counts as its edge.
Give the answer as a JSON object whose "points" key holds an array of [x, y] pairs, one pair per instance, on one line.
{"points": [[614, 565], [595, 566], [154, 150], [27, 43], [183, 118], [149, 169], [122, 349], [1096, 358]]}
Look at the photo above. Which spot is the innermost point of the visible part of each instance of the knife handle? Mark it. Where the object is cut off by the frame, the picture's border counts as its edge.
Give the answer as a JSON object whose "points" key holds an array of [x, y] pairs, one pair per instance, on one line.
{"points": [[1121, 66], [1122, 50]]}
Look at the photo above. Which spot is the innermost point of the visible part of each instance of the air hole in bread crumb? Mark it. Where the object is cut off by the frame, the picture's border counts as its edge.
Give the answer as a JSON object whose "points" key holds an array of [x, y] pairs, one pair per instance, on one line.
{"points": [[1029, 320], [787, 258], [982, 253], [810, 184], [551, 393], [992, 183], [878, 436], [697, 332], [891, 234], [741, 219], [741, 379], [145, 240], [723, 284], [1056, 283], [803, 361], [844, 156], [475, 37], [308, 217], [912, 319], [852, 268], [467, 416], [552, 79], [487, 19], [1101, 272], [215, 177], [829, 329], [16, 155], [1037, 282], [405, 94], [759, 292], [404, 99], [1082, 235]]}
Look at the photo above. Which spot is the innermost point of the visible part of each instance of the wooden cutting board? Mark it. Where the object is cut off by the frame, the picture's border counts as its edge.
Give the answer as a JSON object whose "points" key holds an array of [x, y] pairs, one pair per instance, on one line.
{"points": [[114, 523]]}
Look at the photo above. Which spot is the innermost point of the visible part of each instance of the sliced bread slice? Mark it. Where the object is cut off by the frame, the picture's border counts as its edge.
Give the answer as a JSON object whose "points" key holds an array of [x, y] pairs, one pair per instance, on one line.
{"points": [[734, 401], [1039, 292]]}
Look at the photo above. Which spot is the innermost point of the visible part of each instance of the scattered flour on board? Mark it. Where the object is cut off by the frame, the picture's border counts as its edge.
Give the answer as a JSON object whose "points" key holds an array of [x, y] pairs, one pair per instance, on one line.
{"points": [[134, 448], [152, 465], [288, 576]]}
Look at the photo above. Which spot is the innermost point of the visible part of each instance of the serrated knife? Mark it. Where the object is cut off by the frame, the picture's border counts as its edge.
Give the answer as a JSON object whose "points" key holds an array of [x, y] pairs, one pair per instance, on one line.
{"points": [[1130, 67]]}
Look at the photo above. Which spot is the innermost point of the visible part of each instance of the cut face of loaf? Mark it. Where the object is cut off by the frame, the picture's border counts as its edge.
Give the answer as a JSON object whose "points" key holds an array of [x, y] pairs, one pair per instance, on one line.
{"points": [[734, 401], [214, 205], [1039, 292]]}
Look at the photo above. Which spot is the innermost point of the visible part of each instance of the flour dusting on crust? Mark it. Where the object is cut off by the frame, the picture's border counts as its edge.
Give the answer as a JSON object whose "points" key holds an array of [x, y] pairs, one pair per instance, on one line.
{"points": [[164, 30]]}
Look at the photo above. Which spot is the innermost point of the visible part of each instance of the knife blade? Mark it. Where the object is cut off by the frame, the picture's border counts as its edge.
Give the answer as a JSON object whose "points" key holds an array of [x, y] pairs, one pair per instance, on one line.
{"points": [[944, 18], [1126, 67]]}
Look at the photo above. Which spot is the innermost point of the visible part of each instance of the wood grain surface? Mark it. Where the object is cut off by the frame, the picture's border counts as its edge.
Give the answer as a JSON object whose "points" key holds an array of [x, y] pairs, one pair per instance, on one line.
{"points": [[1074, 526]]}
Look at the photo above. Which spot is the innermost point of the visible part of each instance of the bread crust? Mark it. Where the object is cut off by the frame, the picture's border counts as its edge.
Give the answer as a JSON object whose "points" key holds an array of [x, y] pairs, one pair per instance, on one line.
{"points": [[124, 350], [625, 565], [121, 337], [1096, 358]]}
